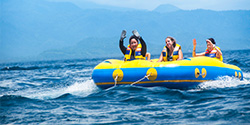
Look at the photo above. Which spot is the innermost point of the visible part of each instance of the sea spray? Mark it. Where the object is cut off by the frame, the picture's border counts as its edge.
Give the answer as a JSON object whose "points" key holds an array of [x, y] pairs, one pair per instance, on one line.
{"points": [[82, 88], [223, 82]]}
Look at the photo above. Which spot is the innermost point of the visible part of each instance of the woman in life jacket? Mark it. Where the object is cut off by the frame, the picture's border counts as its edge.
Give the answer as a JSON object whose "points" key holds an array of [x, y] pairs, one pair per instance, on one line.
{"points": [[134, 50], [172, 51], [211, 51]]}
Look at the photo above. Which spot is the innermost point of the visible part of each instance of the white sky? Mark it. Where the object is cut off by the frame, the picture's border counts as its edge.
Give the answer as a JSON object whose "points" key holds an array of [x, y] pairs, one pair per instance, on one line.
{"points": [[182, 4]]}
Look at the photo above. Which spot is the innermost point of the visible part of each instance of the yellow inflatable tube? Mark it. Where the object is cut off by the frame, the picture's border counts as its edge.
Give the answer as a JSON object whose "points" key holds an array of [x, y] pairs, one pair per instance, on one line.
{"points": [[181, 74]]}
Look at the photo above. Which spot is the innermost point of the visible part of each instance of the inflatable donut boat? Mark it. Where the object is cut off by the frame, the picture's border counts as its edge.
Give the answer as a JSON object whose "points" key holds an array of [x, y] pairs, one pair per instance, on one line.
{"points": [[182, 74]]}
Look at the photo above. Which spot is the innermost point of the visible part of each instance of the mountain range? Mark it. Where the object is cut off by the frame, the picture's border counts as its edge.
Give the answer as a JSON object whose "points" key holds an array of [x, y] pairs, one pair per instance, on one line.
{"points": [[53, 29]]}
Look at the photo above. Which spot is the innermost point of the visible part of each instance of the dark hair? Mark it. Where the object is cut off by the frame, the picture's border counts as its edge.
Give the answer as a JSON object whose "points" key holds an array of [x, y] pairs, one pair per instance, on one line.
{"points": [[212, 40], [133, 37], [172, 39]]}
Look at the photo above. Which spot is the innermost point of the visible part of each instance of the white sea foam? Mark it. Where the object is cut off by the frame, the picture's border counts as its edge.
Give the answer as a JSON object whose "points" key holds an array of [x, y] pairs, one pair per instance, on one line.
{"points": [[7, 83], [82, 88], [79, 88], [246, 75], [225, 81]]}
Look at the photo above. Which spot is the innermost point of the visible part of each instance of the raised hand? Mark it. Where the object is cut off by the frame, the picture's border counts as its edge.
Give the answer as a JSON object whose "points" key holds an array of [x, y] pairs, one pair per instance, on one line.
{"points": [[136, 33], [123, 35], [194, 42]]}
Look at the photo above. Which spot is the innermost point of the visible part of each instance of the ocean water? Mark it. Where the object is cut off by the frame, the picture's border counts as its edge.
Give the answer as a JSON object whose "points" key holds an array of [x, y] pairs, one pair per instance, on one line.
{"points": [[62, 92]]}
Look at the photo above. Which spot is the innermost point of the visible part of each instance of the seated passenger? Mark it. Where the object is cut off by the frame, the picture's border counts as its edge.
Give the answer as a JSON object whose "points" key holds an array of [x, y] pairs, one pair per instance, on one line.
{"points": [[211, 51], [134, 49], [171, 52]]}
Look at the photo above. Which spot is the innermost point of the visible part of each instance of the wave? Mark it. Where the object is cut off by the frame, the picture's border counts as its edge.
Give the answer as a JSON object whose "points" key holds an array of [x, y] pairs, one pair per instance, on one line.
{"points": [[9, 68], [13, 97], [25, 68], [21, 68], [239, 62]]}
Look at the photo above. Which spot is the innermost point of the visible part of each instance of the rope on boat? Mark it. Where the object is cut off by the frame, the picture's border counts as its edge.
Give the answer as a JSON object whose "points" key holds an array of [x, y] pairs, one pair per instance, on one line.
{"points": [[146, 76], [116, 79]]}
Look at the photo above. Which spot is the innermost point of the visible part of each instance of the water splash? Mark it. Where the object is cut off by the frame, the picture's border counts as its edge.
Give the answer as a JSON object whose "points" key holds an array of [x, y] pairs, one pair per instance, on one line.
{"points": [[225, 81], [79, 88], [82, 88], [246, 75]]}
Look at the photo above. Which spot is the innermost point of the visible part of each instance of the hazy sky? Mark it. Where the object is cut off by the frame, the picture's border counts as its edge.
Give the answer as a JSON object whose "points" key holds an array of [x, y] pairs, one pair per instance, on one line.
{"points": [[183, 4]]}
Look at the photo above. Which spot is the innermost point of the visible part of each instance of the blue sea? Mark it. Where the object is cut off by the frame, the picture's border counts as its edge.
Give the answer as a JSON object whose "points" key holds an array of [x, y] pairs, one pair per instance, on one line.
{"points": [[63, 92]]}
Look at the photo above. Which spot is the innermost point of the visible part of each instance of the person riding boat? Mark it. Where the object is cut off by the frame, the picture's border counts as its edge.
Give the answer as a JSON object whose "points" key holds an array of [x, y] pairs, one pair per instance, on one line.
{"points": [[134, 50], [211, 51], [172, 51]]}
